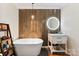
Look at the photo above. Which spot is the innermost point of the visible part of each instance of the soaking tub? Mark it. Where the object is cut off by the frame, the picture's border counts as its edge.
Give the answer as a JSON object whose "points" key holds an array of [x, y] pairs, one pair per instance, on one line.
{"points": [[28, 46]]}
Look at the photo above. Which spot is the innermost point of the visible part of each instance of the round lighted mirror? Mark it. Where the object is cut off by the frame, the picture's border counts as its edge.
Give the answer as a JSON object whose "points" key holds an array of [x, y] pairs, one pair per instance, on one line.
{"points": [[52, 23]]}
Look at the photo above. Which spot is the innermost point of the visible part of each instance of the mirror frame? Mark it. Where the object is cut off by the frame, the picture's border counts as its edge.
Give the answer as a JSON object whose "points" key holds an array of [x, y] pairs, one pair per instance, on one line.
{"points": [[47, 22]]}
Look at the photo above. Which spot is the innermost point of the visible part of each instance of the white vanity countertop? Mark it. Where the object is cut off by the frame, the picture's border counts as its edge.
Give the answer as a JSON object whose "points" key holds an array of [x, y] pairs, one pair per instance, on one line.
{"points": [[57, 34]]}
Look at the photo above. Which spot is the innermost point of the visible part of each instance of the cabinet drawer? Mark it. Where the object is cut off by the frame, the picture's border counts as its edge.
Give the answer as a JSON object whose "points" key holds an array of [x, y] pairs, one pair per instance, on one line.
{"points": [[54, 40]]}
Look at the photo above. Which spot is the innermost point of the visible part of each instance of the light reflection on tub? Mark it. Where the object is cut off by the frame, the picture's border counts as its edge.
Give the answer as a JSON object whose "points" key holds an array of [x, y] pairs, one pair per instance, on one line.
{"points": [[28, 46]]}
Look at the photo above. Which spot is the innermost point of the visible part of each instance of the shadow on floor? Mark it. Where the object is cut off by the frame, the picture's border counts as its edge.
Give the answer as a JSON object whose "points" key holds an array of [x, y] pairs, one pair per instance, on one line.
{"points": [[44, 52]]}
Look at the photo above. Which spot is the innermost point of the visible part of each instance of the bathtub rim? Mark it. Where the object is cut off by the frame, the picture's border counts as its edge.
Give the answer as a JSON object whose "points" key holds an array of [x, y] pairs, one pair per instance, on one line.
{"points": [[26, 39]]}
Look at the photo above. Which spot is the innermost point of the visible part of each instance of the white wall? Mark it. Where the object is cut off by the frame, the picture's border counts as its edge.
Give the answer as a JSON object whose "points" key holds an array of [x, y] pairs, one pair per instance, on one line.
{"points": [[40, 5], [70, 26], [9, 14]]}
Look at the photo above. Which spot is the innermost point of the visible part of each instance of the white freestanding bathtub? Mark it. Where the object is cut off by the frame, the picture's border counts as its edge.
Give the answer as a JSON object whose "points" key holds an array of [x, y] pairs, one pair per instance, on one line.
{"points": [[28, 46]]}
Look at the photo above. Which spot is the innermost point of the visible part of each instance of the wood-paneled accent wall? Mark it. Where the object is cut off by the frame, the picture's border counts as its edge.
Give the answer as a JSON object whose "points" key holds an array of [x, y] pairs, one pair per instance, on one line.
{"points": [[36, 27]]}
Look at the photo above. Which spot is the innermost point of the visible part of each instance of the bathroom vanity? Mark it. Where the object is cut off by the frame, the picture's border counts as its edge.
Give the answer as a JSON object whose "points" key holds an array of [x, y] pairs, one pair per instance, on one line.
{"points": [[57, 42]]}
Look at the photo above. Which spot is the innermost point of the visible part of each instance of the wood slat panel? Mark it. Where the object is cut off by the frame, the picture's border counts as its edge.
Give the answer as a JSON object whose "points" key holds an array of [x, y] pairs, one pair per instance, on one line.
{"points": [[36, 27]]}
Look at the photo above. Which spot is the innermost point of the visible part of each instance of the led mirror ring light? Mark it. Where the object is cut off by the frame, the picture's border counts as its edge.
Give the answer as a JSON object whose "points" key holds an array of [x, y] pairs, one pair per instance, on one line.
{"points": [[52, 23]]}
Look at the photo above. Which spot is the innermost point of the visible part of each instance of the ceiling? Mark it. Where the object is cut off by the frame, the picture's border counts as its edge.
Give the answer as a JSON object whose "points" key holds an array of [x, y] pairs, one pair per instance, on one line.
{"points": [[41, 5]]}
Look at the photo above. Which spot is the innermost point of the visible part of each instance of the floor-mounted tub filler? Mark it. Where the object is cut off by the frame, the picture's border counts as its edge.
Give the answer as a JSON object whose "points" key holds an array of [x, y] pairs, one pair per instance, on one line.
{"points": [[28, 46]]}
